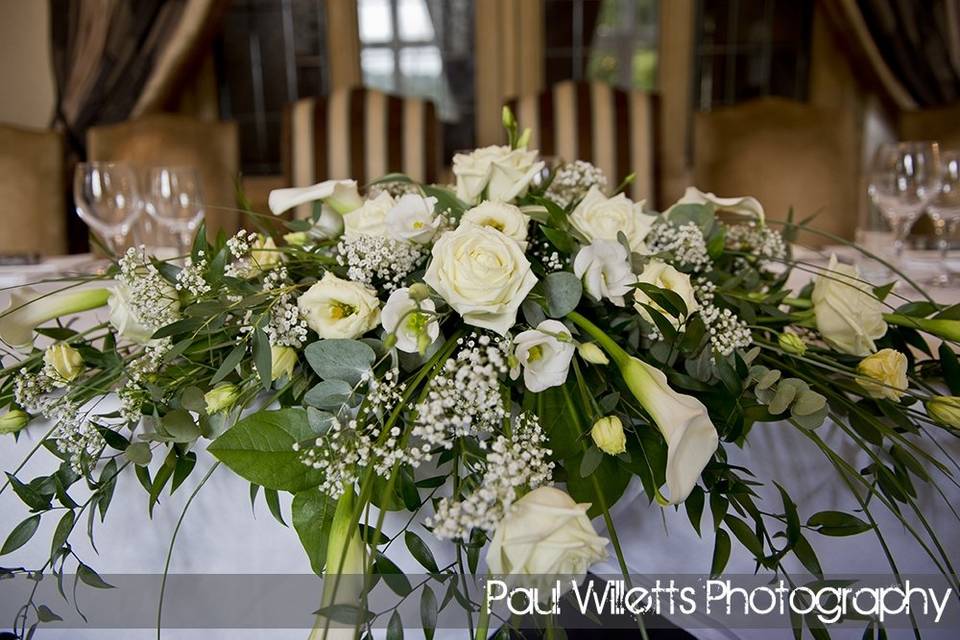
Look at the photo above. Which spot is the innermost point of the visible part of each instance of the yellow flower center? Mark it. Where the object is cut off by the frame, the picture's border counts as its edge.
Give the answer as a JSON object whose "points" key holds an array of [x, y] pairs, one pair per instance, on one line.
{"points": [[340, 310]]}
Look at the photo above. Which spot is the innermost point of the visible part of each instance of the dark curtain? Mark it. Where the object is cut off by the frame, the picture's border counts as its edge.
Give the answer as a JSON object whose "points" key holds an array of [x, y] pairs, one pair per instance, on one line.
{"points": [[918, 41]]}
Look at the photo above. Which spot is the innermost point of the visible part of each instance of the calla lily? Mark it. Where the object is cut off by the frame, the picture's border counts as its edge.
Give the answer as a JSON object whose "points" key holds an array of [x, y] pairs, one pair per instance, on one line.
{"points": [[29, 308], [691, 437], [940, 327], [745, 205], [340, 195]]}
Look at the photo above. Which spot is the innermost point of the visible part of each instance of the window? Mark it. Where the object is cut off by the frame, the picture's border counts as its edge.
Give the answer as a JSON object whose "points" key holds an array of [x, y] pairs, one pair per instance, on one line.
{"points": [[269, 53], [423, 48], [752, 48], [613, 41]]}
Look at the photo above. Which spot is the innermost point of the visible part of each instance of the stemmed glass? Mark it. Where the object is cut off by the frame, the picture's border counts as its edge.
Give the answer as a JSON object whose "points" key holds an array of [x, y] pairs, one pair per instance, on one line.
{"points": [[904, 178], [944, 210], [108, 200], [176, 202]]}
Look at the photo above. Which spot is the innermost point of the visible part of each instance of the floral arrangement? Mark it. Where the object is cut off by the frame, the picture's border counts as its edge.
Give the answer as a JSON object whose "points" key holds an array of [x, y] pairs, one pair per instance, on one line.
{"points": [[499, 359]]}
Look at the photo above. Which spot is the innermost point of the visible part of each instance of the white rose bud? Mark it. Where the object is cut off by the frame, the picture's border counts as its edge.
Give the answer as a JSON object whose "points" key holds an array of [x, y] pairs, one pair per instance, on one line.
{"points": [[545, 533], [221, 398], [888, 367], [598, 217], [410, 325], [337, 308], [544, 354], [370, 218], [412, 218], [945, 410], [63, 361], [591, 353], [503, 217], [13, 421], [849, 316], [604, 267], [264, 253], [282, 362], [607, 434], [482, 274], [666, 277]]}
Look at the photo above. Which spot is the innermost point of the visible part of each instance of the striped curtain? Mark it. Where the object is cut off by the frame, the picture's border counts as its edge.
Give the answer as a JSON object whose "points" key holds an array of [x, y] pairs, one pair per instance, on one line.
{"points": [[361, 134], [593, 121]]}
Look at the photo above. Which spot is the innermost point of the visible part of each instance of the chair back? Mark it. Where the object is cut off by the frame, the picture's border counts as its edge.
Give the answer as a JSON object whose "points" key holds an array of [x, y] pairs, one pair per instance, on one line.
{"points": [[32, 188], [174, 140], [594, 121]]}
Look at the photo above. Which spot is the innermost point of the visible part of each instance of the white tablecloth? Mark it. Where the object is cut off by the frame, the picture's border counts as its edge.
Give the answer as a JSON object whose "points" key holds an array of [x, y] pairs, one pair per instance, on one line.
{"points": [[221, 535]]}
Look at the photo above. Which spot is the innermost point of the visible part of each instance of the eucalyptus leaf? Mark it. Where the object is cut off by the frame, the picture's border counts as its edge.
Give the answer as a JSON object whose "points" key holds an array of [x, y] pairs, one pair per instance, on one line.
{"points": [[563, 291], [329, 394], [337, 359]]}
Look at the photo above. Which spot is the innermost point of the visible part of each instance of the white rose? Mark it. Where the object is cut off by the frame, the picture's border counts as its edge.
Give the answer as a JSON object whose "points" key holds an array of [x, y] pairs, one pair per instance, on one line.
{"points": [[410, 324], [545, 533], [472, 171], [545, 354], [125, 318], [744, 205], [503, 217], [598, 217], [412, 219], [510, 174], [370, 218], [337, 308], [604, 267], [666, 277], [849, 316], [482, 274]]}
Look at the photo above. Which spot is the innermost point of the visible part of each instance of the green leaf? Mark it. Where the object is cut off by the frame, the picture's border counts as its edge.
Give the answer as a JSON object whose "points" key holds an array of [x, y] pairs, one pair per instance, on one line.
{"points": [[179, 425], [28, 494], [837, 523], [563, 291], [20, 535], [395, 627], [446, 200], [590, 461], [273, 503], [262, 357], [392, 575], [420, 551], [611, 478], [62, 532], [559, 239], [668, 300], [721, 553], [428, 612], [181, 472], [229, 363], [139, 453], [329, 394], [90, 577], [951, 368], [44, 614], [694, 507], [340, 359], [259, 448], [312, 519], [745, 535]]}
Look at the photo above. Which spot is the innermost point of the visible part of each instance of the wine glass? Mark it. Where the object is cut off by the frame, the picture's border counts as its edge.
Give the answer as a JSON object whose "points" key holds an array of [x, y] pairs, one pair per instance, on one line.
{"points": [[108, 200], [904, 178], [944, 210], [175, 201]]}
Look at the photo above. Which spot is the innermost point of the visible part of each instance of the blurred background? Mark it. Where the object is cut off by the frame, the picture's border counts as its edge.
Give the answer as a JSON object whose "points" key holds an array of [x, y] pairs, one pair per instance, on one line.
{"points": [[787, 100]]}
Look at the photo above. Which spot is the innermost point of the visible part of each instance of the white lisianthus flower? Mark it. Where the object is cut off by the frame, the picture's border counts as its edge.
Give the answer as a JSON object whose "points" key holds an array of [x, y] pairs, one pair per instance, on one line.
{"points": [[370, 218], [412, 218], [482, 274], [337, 308], [412, 327], [598, 217], [884, 374], [849, 316], [63, 361], [666, 277], [604, 268], [282, 362], [29, 308], [545, 533], [744, 205], [607, 433], [503, 217], [545, 354], [127, 320], [510, 174], [340, 195]]}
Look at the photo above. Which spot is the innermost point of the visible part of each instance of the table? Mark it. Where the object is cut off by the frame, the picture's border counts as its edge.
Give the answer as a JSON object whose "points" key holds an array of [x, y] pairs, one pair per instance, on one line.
{"points": [[221, 535]]}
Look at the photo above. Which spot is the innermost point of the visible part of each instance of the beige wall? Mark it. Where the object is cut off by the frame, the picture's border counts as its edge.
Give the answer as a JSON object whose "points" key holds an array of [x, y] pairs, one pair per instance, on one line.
{"points": [[26, 77]]}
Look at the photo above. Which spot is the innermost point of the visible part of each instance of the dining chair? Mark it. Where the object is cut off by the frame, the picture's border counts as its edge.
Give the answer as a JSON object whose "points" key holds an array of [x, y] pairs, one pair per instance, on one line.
{"points": [[32, 188], [175, 140], [610, 127], [362, 134]]}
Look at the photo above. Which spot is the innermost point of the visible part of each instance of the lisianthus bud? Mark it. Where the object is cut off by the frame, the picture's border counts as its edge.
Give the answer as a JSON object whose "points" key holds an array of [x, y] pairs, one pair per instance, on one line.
{"points": [[63, 361], [13, 421], [296, 238], [390, 341], [221, 397], [506, 116], [945, 410], [792, 343], [888, 367], [283, 360], [419, 291], [607, 434], [524, 139], [591, 353]]}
